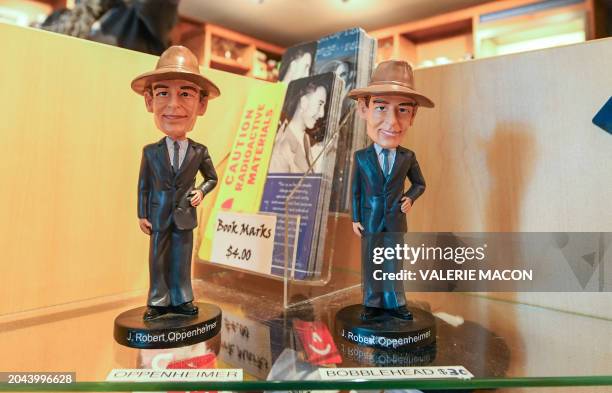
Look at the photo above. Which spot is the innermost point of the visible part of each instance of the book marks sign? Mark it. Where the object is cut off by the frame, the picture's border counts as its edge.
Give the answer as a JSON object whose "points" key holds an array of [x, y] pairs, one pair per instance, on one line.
{"points": [[244, 240]]}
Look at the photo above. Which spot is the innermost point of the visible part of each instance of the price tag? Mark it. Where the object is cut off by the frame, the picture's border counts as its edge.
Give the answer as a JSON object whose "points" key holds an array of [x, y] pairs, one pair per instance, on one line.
{"points": [[244, 240], [331, 374]]}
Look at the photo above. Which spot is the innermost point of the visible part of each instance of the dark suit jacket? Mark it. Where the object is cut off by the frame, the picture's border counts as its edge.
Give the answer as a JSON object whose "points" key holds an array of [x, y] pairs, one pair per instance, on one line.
{"points": [[376, 202], [163, 197]]}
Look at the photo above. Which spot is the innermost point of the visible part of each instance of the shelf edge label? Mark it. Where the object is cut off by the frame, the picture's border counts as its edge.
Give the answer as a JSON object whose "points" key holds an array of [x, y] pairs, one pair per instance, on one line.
{"points": [[368, 373], [174, 375]]}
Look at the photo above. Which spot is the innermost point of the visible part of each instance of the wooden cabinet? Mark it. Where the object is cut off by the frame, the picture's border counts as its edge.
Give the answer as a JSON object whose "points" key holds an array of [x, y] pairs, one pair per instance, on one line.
{"points": [[227, 50], [498, 27]]}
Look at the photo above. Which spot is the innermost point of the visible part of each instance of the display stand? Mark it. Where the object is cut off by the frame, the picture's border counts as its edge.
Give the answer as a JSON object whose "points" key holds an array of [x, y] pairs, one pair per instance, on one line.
{"points": [[386, 332], [337, 266], [168, 331], [333, 271]]}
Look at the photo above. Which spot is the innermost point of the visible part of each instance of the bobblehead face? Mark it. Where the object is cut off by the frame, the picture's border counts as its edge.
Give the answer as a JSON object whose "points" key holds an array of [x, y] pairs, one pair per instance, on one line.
{"points": [[387, 118], [175, 105]]}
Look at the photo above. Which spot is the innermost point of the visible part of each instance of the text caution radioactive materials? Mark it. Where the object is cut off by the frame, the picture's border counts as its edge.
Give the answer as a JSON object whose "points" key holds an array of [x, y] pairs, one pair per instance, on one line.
{"points": [[332, 374], [174, 375]]}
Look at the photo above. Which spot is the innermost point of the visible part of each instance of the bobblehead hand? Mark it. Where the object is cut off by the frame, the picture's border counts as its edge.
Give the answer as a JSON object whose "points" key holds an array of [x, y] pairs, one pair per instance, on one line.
{"points": [[357, 228], [406, 204], [145, 225], [197, 198]]}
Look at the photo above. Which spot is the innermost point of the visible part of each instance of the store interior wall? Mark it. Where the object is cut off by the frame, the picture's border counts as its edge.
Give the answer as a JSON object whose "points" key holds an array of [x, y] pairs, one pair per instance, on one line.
{"points": [[510, 147]]}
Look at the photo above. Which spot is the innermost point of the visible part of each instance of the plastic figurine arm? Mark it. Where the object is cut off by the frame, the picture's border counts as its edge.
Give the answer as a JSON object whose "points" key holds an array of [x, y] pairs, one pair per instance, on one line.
{"points": [[356, 201], [143, 195], [208, 172], [417, 181]]}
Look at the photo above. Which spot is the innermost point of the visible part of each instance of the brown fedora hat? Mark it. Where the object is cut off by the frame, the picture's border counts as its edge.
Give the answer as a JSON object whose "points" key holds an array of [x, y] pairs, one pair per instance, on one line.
{"points": [[177, 62], [392, 77]]}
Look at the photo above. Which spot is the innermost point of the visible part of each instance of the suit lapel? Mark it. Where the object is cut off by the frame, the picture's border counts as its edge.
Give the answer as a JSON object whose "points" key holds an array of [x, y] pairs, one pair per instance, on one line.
{"points": [[188, 157], [398, 163], [163, 156], [373, 160]]}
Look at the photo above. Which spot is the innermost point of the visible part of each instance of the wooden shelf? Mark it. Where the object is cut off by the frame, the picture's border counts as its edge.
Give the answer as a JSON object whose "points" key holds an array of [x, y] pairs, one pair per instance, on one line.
{"points": [[229, 65], [462, 35], [204, 40], [56, 4], [439, 32], [243, 39]]}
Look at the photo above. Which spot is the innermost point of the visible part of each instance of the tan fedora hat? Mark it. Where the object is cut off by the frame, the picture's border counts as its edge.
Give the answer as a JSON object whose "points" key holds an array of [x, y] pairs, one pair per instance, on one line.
{"points": [[177, 62], [392, 77]]}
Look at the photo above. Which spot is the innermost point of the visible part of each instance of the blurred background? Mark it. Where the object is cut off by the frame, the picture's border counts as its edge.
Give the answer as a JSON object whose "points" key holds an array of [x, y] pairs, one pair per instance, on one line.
{"points": [[248, 37]]}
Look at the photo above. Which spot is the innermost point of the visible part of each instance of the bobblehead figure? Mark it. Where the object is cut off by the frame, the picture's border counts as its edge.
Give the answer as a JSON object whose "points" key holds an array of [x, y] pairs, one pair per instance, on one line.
{"points": [[176, 94], [379, 202]]}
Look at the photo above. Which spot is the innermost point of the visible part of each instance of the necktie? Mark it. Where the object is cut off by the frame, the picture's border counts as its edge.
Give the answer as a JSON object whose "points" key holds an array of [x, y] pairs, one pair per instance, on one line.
{"points": [[385, 153], [175, 159]]}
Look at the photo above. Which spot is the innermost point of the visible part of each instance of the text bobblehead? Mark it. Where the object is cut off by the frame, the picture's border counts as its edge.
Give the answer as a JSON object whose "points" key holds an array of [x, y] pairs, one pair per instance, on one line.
{"points": [[380, 204], [176, 94]]}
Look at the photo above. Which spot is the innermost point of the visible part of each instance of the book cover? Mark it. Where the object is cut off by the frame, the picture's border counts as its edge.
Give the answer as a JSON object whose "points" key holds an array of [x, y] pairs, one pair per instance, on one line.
{"points": [[343, 54], [297, 62], [307, 119], [243, 170]]}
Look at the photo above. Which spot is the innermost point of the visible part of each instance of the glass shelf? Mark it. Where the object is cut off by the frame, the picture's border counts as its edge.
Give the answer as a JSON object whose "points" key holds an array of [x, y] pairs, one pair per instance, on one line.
{"points": [[505, 344]]}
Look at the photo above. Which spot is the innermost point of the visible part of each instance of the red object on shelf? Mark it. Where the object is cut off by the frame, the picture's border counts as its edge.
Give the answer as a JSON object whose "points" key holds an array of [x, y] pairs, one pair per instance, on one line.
{"points": [[203, 361], [317, 342]]}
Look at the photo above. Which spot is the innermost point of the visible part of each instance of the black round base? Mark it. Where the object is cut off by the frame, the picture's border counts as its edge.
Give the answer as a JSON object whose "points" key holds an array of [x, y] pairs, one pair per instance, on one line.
{"points": [[359, 355], [386, 332], [167, 331]]}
